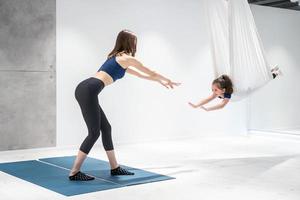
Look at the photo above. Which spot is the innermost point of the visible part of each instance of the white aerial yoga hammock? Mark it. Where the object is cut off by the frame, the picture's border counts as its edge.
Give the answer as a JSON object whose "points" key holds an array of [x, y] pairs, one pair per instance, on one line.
{"points": [[236, 46]]}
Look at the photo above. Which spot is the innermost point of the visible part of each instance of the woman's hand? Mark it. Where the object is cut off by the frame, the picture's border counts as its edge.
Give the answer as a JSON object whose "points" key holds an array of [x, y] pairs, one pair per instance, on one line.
{"points": [[172, 84], [168, 84], [193, 105], [163, 84]]}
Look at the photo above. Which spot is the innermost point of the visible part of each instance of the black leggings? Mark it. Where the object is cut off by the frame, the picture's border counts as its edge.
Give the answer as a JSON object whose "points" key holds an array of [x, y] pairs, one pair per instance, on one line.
{"points": [[86, 94]]}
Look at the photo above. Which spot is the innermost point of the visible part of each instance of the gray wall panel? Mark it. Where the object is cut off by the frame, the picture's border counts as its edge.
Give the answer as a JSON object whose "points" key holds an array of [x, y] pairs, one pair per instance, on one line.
{"points": [[27, 34], [27, 74], [28, 114]]}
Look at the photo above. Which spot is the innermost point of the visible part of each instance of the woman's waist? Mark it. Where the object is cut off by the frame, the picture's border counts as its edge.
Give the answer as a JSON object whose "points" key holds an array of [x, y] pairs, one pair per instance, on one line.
{"points": [[104, 77], [90, 86]]}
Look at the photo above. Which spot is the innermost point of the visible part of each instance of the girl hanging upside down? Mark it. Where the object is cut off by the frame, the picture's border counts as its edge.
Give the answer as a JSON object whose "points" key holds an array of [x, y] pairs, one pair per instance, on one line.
{"points": [[222, 88]]}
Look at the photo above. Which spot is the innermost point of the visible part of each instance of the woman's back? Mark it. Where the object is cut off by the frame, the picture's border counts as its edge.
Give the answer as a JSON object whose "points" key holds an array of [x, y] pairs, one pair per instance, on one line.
{"points": [[113, 68]]}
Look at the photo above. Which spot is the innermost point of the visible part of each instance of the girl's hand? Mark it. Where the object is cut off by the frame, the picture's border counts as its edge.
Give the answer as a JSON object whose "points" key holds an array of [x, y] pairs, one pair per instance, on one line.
{"points": [[202, 107], [193, 105]]}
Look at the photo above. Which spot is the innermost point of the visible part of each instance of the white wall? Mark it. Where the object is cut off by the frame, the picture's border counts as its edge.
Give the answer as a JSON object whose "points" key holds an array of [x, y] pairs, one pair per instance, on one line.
{"points": [[172, 39], [276, 106]]}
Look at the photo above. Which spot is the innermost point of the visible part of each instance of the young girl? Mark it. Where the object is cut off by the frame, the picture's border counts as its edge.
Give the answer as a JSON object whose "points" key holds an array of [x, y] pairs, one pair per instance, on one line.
{"points": [[120, 61], [222, 87]]}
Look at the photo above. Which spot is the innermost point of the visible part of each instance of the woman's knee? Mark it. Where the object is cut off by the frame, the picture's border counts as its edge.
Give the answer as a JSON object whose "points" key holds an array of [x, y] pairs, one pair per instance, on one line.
{"points": [[94, 136], [93, 133]]}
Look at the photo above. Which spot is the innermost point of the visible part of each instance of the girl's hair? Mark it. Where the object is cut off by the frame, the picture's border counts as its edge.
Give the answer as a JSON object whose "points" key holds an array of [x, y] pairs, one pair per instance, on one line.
{"points": [[125, 43], [224, 82]]}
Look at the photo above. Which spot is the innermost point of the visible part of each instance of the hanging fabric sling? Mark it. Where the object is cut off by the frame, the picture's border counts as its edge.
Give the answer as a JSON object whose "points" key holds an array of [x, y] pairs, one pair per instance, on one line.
{"points": [[236, 46]]}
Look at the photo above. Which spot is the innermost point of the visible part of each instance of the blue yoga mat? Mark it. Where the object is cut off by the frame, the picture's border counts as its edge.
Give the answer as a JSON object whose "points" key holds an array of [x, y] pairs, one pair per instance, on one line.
{"points": [[52, 174], [101, 169], [53, 178]]}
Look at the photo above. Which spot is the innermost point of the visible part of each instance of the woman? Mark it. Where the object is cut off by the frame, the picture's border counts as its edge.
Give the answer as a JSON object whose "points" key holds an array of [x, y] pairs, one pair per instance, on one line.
{"points": [[120, 60]]}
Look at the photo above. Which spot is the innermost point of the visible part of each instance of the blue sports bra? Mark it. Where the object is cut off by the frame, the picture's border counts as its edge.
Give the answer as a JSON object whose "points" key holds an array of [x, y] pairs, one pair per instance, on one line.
{"points": [[114, 69]]}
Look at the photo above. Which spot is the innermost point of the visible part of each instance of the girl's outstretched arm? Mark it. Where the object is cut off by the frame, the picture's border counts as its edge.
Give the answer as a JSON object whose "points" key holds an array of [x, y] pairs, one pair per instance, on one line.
{"points": [[203, 101], [218, 106]]}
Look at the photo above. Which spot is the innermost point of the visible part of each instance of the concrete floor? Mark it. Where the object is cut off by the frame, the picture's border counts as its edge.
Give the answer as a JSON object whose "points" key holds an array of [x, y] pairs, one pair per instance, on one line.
{"points": [[218, 168]]}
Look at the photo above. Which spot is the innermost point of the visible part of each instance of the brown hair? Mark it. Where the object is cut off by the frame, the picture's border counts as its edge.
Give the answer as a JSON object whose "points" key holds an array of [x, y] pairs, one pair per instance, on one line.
{"points": [[125, 43], [224, 82]]}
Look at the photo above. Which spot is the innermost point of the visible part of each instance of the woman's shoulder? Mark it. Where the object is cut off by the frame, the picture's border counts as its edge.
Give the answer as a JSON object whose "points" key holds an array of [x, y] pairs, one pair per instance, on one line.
{"points": [[128, 59], [125, 57], [124, 60]]}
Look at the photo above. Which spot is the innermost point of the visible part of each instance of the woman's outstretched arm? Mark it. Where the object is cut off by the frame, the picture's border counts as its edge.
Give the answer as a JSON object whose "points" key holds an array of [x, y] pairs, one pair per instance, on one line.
{"points": [[203, 101], [147, 77], [149, 74]]}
